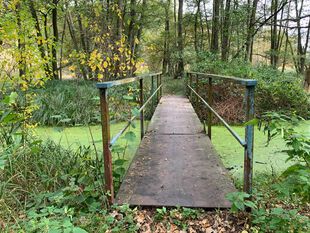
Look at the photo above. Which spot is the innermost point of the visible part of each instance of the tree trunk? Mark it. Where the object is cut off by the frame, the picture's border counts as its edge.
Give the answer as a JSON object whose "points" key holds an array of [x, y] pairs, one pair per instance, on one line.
{"points": [[180, 65], [196, 42], [39, 37], [55, 40], [166, 59], [250, 31], [141, 21], [226, 32], [274, 35], [207, 24], [75, 43], [62, 45], [131, 33], [307, 80], [301, 50], [215, 26], [21, 43]]}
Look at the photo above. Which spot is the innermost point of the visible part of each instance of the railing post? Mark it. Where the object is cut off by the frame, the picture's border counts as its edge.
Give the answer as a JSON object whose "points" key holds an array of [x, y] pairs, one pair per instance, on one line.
{"points": [[152, 91], [249, 139], [107, 156], [197, 89], [142, 111], [157, 82], [161, 89], [187, 83], [190, 84], [210, 99]]}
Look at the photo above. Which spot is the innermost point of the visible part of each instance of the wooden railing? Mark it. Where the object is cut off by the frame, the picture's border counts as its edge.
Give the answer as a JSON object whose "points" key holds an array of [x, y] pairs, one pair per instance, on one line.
{"points": [[248, 142], [107, 142]]}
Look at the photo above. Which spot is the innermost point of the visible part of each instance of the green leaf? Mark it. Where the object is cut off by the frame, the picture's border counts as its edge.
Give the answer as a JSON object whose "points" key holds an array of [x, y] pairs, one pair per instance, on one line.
{"points": [[78, 230], [135, 112], [9, 117], [127, 97], [2, 163], [130, 136], [120, 171], [120, 162], [56, 116], [66, 120], [250, 204], [254, 121]]}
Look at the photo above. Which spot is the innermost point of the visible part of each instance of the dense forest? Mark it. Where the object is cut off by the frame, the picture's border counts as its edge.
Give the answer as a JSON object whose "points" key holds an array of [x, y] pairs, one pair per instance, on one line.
{"points": [[114, 39], [52, 54]]}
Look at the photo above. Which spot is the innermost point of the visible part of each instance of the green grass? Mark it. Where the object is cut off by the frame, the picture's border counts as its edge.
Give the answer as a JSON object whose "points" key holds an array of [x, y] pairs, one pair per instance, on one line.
{"points": [[268, 159], [73, 137]]}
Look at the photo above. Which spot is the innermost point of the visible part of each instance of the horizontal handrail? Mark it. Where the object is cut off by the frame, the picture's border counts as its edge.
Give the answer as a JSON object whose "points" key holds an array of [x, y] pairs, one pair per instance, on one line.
{"points": [[246, 82], [234, 133], [122, 131], [110, 84]]}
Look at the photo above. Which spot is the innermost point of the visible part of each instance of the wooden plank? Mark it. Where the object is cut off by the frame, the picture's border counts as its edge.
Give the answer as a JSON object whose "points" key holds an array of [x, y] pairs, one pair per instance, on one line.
{"points": [[175, 115], [176, 165]]}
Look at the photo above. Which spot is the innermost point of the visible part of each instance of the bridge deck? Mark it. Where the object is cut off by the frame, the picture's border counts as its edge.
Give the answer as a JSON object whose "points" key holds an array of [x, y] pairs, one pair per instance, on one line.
{"points": [[176, 164]]}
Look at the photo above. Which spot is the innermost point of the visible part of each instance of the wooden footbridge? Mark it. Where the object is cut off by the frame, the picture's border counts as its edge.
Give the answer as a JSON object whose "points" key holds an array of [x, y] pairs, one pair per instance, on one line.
{"points": [[176, 164]]}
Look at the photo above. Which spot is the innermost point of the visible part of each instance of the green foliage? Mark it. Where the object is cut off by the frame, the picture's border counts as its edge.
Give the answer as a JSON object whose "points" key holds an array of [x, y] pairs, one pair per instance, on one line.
{"points": [[280, 220], [278, 208], [298, 145], [40, 173], [240, 201], [188, 213], [10, 119], [51, 219], [296, 178], [161, 213], [264, 219], [177, 215], [295, 181], [74, 102], [67, 103], [275, 90]]}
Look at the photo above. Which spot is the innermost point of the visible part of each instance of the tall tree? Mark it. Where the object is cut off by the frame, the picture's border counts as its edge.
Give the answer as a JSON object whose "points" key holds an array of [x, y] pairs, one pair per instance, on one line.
{"points": [[180, 64], [55, 39], [274, 35], [166, 58], [196, 25], [39, 36], [215, 26], [226, 31], [301, 49], [250, 29]]}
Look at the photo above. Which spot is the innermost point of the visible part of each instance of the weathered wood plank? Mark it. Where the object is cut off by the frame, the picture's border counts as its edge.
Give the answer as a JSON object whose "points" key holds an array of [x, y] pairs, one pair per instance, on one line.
{"points": [[176, 164]]}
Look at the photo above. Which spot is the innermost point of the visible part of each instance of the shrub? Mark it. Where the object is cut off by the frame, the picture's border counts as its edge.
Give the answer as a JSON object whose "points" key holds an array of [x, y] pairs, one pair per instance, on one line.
{"points": [[68, 102], [295, 181], [76, 102], [275, 90]]}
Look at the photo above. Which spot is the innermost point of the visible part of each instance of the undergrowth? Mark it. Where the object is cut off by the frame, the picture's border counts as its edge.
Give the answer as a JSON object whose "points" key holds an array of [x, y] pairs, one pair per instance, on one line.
{"points": [[76, 102], [275, 91]]}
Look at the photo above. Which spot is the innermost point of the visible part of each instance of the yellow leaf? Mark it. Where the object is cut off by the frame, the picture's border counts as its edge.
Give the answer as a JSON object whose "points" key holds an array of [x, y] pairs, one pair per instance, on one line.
{"points": [[105, 64], [100, 76]]}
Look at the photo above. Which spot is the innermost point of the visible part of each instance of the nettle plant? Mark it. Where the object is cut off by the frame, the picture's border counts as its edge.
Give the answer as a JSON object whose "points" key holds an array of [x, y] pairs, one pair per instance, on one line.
{"points": [[119, 150], [294, 182], [296, 178]]}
